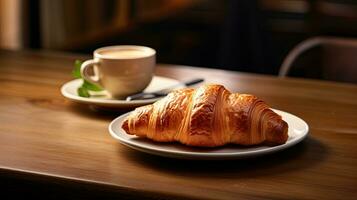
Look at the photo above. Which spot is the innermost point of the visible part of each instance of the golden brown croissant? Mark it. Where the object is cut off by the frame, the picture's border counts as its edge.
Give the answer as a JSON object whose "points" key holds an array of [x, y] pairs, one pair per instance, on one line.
{"points": [[209, 116]]}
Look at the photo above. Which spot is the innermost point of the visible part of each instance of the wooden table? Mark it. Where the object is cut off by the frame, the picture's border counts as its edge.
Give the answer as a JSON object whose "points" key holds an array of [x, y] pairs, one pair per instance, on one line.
{"points": [[51, 146]]}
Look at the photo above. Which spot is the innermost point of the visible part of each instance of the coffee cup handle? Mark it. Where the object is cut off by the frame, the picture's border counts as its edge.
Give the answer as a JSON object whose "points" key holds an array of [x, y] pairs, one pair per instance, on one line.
{"points": [[85, 72]]}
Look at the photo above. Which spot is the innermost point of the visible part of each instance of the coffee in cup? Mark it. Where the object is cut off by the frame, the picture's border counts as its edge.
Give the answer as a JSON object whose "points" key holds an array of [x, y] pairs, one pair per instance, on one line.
{"points": [[121, 70]]}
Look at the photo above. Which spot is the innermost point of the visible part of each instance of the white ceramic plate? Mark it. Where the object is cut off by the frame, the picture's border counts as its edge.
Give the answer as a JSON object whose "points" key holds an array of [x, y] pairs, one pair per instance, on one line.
{"points": [[102, 99], [298, 130]]}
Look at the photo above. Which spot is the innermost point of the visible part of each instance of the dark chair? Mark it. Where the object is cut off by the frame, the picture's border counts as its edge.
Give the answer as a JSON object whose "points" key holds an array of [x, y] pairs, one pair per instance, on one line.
{"points": [[326, 58]]}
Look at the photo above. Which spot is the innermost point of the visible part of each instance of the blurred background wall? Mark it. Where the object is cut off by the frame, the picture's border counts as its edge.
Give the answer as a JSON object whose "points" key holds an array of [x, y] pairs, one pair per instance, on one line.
{"points": [[10, 24], [241, 35]]}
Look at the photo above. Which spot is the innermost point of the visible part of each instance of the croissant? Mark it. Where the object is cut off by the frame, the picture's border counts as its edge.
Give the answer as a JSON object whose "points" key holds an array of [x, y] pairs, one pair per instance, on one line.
{"points": [[209, 116]]}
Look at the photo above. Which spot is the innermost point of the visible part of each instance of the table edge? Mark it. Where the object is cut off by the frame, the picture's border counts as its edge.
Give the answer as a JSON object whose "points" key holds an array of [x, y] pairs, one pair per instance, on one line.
{"points": [[73, 182]]}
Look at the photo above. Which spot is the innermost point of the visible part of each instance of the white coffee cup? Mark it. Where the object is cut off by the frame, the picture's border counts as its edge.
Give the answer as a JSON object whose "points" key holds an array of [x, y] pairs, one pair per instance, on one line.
{"points": [[121, 70]]}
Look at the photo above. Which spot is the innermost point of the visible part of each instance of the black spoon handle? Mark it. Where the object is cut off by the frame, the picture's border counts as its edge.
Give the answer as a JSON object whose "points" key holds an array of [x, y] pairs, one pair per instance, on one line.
{"points": [[162, 92]]}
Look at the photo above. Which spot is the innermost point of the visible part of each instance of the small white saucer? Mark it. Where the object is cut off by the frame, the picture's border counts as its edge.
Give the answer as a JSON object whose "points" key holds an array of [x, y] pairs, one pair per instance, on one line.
{"points": [[103, 99]]}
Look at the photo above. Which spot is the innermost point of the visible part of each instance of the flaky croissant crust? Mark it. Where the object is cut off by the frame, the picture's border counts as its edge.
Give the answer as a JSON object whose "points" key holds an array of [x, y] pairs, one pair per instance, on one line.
{"points": [[209, 116]]}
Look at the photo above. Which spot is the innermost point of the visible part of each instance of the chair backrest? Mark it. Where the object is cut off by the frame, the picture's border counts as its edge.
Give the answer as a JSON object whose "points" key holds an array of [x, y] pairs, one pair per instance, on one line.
{"points": [[327, 58]]}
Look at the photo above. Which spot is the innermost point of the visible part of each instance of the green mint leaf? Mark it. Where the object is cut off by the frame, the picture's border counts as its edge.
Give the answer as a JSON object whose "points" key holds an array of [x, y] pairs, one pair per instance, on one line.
{"points": [[76, 73], [83, 92], [89, 86], [86, 86]]}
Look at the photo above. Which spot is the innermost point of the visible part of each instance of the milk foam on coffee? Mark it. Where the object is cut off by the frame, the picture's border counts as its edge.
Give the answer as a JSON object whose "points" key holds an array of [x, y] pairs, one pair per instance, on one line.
{"points": [[125, 53]]}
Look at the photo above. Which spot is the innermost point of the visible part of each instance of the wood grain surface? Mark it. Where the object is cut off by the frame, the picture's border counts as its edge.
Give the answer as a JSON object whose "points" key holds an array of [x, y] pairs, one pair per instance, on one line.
{"points": [[46, 138]]}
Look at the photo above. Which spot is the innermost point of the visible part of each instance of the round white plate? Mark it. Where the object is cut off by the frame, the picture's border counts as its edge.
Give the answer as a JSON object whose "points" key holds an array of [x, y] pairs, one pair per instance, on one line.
{"points": [[103, 99], [298, 130]]}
